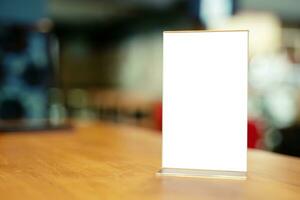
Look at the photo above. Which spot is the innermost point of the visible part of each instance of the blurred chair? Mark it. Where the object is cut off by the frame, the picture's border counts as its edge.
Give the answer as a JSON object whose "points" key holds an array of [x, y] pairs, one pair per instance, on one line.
{"points": [[26, 75]]}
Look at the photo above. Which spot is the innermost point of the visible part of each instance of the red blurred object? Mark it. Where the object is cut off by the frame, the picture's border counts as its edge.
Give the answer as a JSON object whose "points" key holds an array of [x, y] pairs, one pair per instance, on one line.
{"points": [[157, 114], [254, 133]]}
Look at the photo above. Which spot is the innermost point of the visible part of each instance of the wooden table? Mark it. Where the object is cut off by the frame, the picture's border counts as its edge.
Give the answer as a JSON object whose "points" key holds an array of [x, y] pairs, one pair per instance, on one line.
{"points": [[106, 161]]}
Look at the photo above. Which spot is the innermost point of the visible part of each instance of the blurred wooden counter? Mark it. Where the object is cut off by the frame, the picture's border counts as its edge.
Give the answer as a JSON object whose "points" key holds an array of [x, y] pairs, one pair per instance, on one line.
{"points": [[102, 161]]}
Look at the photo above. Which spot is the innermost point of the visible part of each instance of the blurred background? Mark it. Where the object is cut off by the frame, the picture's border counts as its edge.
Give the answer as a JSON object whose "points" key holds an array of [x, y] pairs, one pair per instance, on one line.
{"points": [[87, 60]]}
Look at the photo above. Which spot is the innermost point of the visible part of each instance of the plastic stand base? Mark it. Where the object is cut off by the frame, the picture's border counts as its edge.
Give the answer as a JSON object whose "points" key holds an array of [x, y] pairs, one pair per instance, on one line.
{"points": [[216, 174]]}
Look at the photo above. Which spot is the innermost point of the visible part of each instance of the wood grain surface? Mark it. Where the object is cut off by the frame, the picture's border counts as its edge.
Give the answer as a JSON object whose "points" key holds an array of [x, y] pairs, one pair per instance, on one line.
{"points": [[107, 161]]}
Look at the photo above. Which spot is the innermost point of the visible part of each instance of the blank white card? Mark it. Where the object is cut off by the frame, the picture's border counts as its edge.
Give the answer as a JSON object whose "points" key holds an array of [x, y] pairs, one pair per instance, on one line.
{"points": [[205, 100]]}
